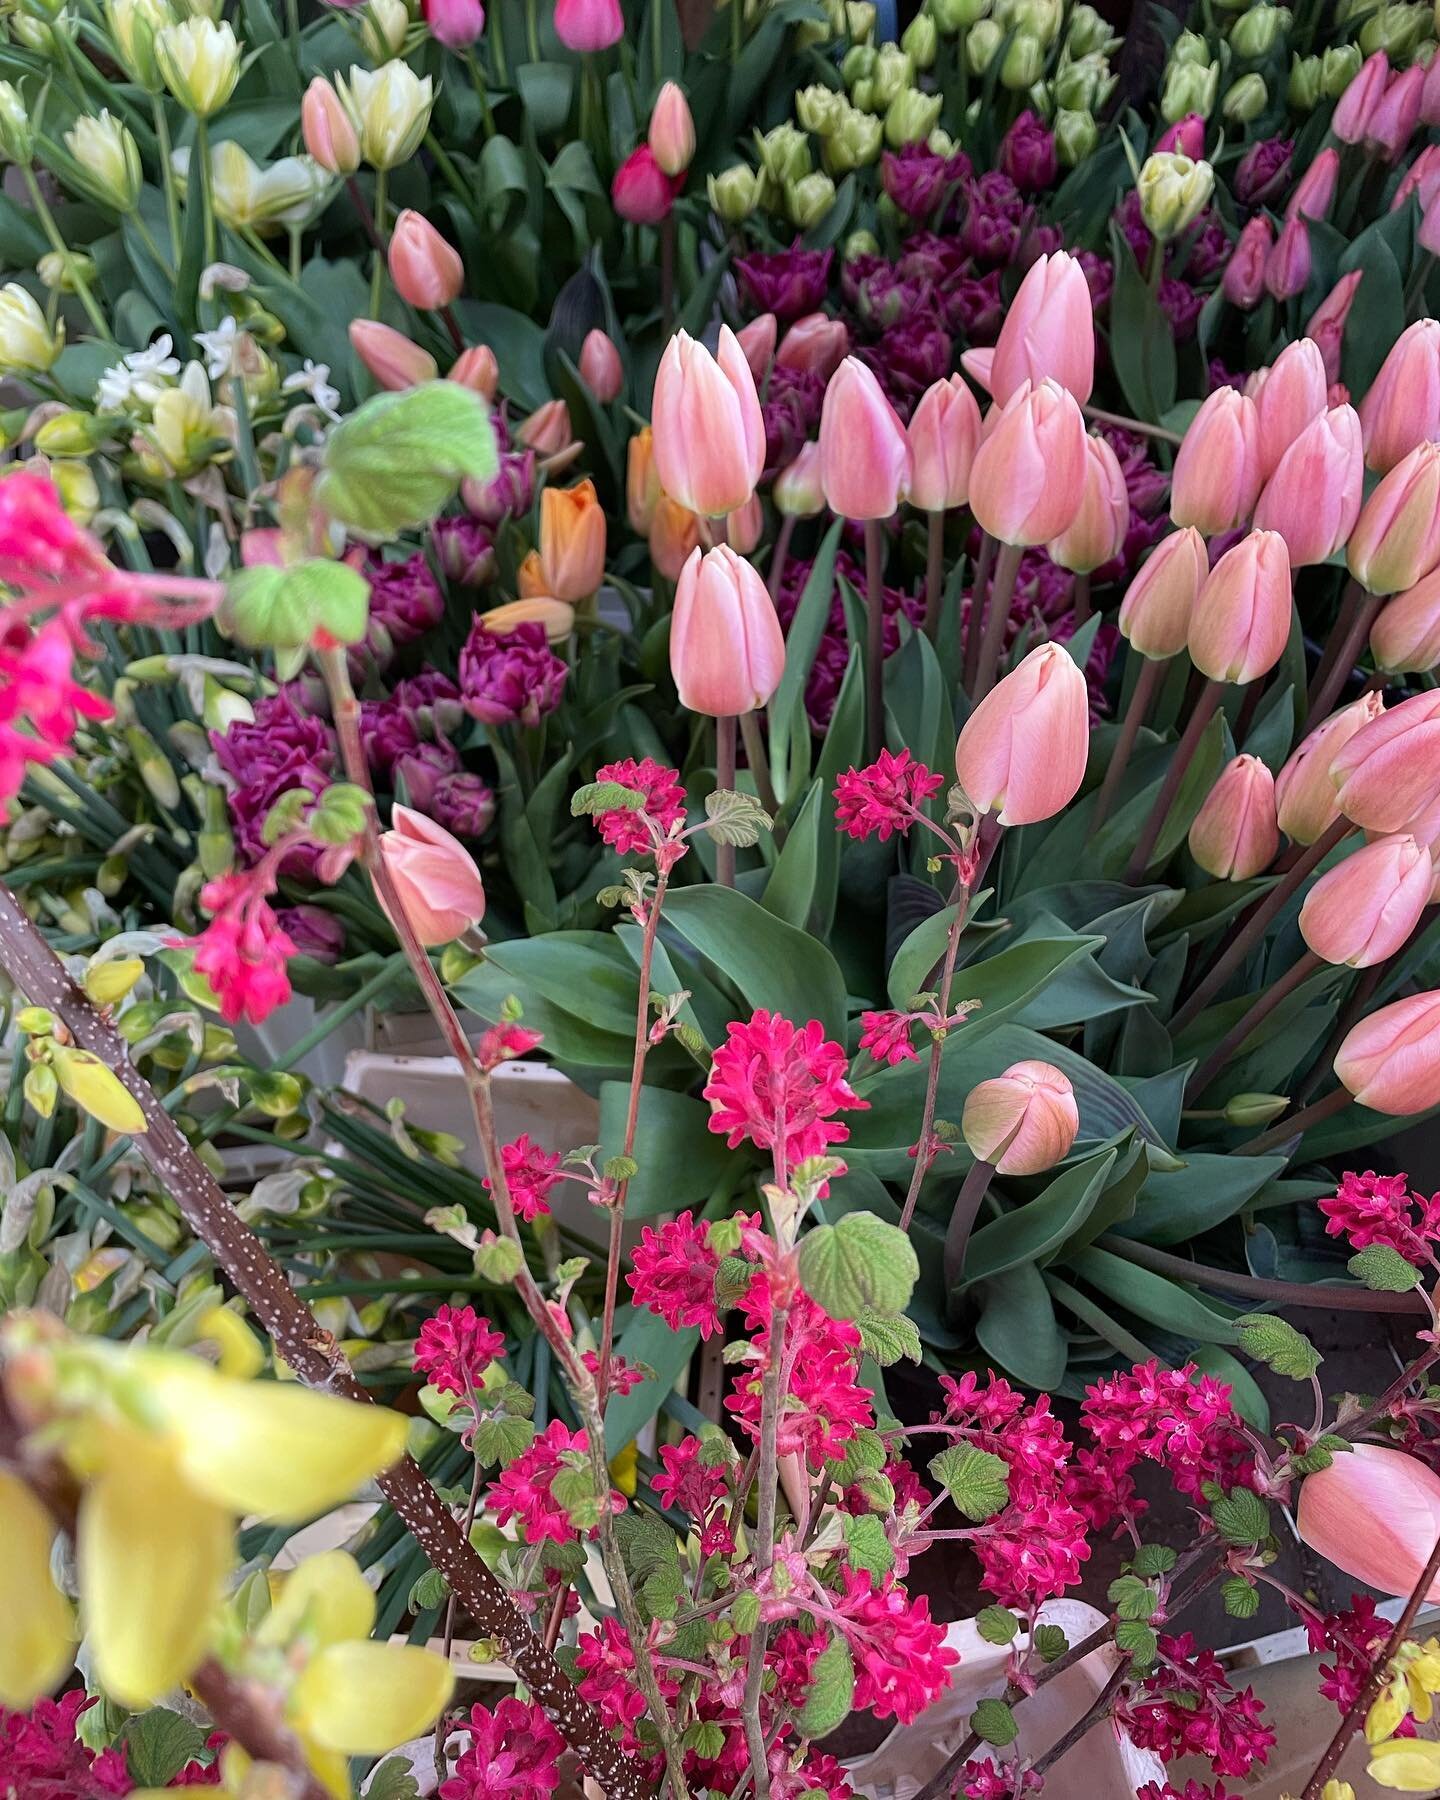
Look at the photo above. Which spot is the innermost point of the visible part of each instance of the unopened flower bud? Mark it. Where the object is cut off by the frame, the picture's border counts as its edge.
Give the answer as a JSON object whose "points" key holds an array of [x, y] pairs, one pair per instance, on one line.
{"points": [[1076, 135], [820, 109], [59, 273], [784, 154], [1023, 65], [1256, 32], [954, 16], [133, 26], [981, 44], [1302, 91], [384, 25], [1339, 66], [734, 193], [921, 41], [893, 75], [808, 200], [1255, 1109], [199, 62], [672, 130], [1173, 192], [1245, 100], [855, 143], [1189, 88], [107, 161], [28, 345], [17, 143]]}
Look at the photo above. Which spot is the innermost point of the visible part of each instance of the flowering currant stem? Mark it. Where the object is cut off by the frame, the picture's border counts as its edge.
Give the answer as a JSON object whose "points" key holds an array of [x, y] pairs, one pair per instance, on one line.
{"points": [[725, 783], [1263, 1006], [974, 625], [967, 1204], [768, 1481], [992, 645], [1144, 851], [934, 572], [1314, 1114], [937, 1047], [1147, 685], [1328, 685], [874, 638]]}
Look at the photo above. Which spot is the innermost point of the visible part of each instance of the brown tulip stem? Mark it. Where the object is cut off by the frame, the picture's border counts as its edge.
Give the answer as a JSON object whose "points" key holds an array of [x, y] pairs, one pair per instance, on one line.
{"points": [[1200, 718], [962, 1220], [667, 275], [759, 761], [1080, 607], [1253, 1015], [780, 555], [1142, 697], [1324, 693], [452, 325], [992, 645], [874, 637], [1323, 1296], [725, 783], [934, 572], [974, 625], [1350, 603], [1314, 1114], [1098, 416]]}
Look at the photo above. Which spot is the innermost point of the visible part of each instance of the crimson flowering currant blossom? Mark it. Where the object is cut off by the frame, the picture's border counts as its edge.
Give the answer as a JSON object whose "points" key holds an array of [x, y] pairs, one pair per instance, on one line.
{"points": [[884, 797], [780, 1085], [243, 952], [522, 1491], [513, 1754], [530, 1173], [1181, 1419], [824, 1404], [503, 1043], [1185, 1706], [455, 1348], [625, 830], [1380, 1209], [674, 1274]]}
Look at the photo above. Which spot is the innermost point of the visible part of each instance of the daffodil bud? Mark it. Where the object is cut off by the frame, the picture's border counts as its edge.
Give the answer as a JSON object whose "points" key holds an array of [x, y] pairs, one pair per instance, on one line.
{"points": [[1302, 90], [819, 109], [107, 160], [156, 769], [1245, 99], [79, 492], [734, 193], [35, 1021], [199, 62], [72, 433], [107, 983], [96, 1089], [17, 143], [222, 707], [28, 345], [921, 41], [981, 44], [59, 273], [808, 200], [42, 1090], [1076, 135], [383, 28], [133, 27], [1189, 89], [1173, 192]]}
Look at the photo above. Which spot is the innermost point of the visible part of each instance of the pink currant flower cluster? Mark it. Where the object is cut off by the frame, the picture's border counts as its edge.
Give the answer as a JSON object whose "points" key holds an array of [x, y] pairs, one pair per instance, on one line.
{"points": [[513, 1753], [1192, 1790], [1185, 1706], [674, 1274], [504, 1043], [455, 1348], [885, 797], [244, 952], [779, 1086], [824, 1404], [42, 1756], [524, 1488], [648, 830], [1355, 1637], [1380, 1209], [530, 1173], [986, 1780], [1181, 1419]]}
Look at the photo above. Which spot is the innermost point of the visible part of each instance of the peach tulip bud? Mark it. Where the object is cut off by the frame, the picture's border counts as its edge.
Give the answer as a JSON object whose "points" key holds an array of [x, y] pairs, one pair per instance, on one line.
{"points": [[727, 652], [1241, 621], [600, 367], [1390, 1062], [1096, 534], [531, 581], [745, 527], [1402, 406], [864, 454], [1287, 267], [1362, 911], [426, 271], [1022, 751], [556, 616], [329, 131], [1327, 322], [709, 436], [435, 878], [944, 435], [1389, 772], [572, 541], [1315, 191], [1351, 119], [1405, 638], [815, 344], [1392, 123], [547, 431], [672, 130], [1155, 613], [1375, 1513], [1305, 801], [1397, 539], [1028, 477], [798, 492], [1235, 835], [1022, 1121], [1217, 467], [642, 481], [1049, 331], [477, 369], [674, 536], [1287, 397], [757, 340], [1313, 498], [1244, 279], [589, 25], [390, 356]]}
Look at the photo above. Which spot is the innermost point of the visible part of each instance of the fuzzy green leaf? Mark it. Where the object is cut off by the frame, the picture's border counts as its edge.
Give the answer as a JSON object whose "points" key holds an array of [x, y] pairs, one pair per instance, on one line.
{"points": [[993, 1722], [997, 1624], [888, 1336], [393, 464], [1241, 1597], [1383, 1269], [1241, 1517], [1277, 1344], [858, 1265], [975, 1480], [832, 1691]]}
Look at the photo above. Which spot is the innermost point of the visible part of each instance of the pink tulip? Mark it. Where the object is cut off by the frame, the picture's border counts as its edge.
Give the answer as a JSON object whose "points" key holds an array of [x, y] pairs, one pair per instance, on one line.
{"points": [[600, 367], [757, 340], [548, 430], [1428, 234], [456, 24], [1244, 278], [727, 651], [1287, 267], [1397, 539], [1422, 178], [1389, 772], [1405, 638], [1028, 477], [1430, 97], [1327, 322], [709, 435], [1390, 1062], [426, 271], [589, 25], [672, 130], [1375, 1513], [1362, 911], [642, 193], [1096, 535], [1351, 119], [1241, 621], [1216, 481], [1022, 1121], [1022, 751], [1392, 123], [798, 492], [1186, 137], [1156, 611], [1402, 406], [1287, 397], [477, 369], [390, 356], [1235, 834], [944, 435], [1305, 802], [1049, 332], [435, 878], [864, 455], [329, 131], [1315, 191], [1313, 498], [817, 344], [745, 528]]}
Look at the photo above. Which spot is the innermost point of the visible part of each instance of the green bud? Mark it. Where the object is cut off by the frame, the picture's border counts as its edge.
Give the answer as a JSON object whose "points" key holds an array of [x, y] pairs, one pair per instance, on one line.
{"points": [[911, 117], [734, 193], [1173, 192], [1254, 1109], [17, 144], [860, 16], [288, 608], [784, 153], [156, 769], [72, 433], [858, 64], [107, 161], [808, 200], [1189, 89], [1339, 66], [133, 25], [860, 243], [894, 74], [1245, 100], [920, 41], [112, 874], [215, 845], [981, 45], [35, 1021], [1086, 31], [954, 16], [1041, 18], [819, 109], [855, 143], [222, 707], [1302, 91], [862, 95], [276, 1093], [1190, 50], [1396, 29], [190, 741], [1076, 135], [156, 1224], [1084, 85], [1256, 32], [1023, 64]]}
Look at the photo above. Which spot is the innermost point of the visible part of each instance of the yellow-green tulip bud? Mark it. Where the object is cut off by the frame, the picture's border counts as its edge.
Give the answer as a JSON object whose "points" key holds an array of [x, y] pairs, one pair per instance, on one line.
{"points": [[1023, 64], [981, 44], [1245, 99], [1189, 89], [1256, 32], [17, 143], [894, 74], [855, 143], [35, 34], [72, 433], [199, 62], [134, 25], [1190, 50], [391, 109], [1396, 29], [860, 243], [1173, 192], [734, 193], [860, 16], [107, 160], [940, 142], [1084, 85], [819, 109], [1302, 91], [911, 117], [1339, 66], [1254, 1109], [58, 272], [858, 64], [808, 200], [1086, 31], [920, 41], [784, 154], [28, 345], [1076, 135], [862, 95], [1041, 18], [383, 28], [953, 16]]}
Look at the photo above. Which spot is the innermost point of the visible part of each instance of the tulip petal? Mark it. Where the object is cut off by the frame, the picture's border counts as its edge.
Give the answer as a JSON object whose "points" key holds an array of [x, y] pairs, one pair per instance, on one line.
{"points": [[363, 1699], [38, 1638], [326, 1598]]}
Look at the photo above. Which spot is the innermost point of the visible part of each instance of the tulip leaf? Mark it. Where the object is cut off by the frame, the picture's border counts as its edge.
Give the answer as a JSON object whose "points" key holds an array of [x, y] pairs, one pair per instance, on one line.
{"points": [[1034, 1230], [771, 963], [1154, 1298], [788, 721], [1018, 1327], [680, 1159]]}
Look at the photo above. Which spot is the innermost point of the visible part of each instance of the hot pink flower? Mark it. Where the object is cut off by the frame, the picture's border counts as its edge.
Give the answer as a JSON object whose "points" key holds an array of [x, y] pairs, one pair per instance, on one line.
{"points": [[674, 1275], [1380, 1209], [454, 1349], [780, 1085], [1185, 1706], [886, 1035], [522, 1489], [503, 1043], [42, 1757], [824, 1405], [902, 1661], [624, 830], [513, 1754], [1179, 1418], [530, 1173], [884, 796], [243, 952]]}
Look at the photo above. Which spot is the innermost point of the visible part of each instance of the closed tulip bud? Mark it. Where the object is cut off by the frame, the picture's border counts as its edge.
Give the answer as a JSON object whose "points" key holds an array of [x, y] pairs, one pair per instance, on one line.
{"points": [[808, 200], [457, 24], [1428, 233], [1191, 49], [1216, 481], [1022, 67], [734, 193], [1392, 123], [1389, 771], [1375, 1513], [1189, 88], [709, 435], [434, 876], [589, 25], [1022, 752], [1028, 476], [1186, 135], [1390, 1062], [476, 369], [1304, 792], [548, 430], [1245, 99], [745, 528], [1430, 94], [981, 43], [1022, 1121], [820, 109], [1339, 65], [1096, 535], [600, 367], [1287, 267], [864, 454], [855, 143], [1087, 30], [427, 272], [674, 536], [816, 344], [642, 481], [17, 141], [921, 41], [1255, 33], [798, 492], [1288, 396], [944, 433], [1328, 321], [390, 357], [1315, 191], [329, 131], [199, 62], [391, 108], [572, 541], [642, 193], [892, 74], [1363, 910], [107, 161], [1235, 836], [1405, 638], [1173, 192], [1049, 331], [133, 25], [784, 154], [672, 130], [1242, 618], [727, 652], [1357, 103], [383, 28], [911, 117], [1397, 539], [1398, 29], [1155, 613], [1402, 407], [1313, 498], [28, 344], [953, 16], [757, 340], [1076, 135], [1084, 85], [1244, 278]]}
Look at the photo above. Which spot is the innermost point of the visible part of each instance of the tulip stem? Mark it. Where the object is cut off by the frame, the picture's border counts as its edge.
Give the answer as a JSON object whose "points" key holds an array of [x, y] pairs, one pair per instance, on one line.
{"points": [[1147, 684], [1353, 1012], [1349, 605], [1322, 1296], [1098, 416], [759, 768], [780, 555], [367, 218], [1264, 1004], [1346, 643], [962, 1220], [378, 275], [974, 624], [667, 275], [67, 256], [874, 630], [1080, 607], [725, 783], [167, 173], [1205, 705], [992, 645], [1282, 1133], [934, 572], [452, 325]]}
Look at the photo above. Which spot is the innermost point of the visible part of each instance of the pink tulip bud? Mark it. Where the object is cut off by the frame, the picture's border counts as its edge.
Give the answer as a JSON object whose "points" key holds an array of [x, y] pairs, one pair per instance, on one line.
{"points": [[456, 24], [1351, 119], [1422, 178], [745, 527], [1375, 1513], [329, 131], [798, 492], [1244, 278], [1402, 407], [727, 651], [817, 344], [1405, 638], [1186, 137], [757, 340], [426, 271], [1028, 476], [1049, 332], [864, 455], [1216, 480], [589, 25], [709, 435], [1241, 621], [944, 435], [477, 369], [1096, 535], [438, 885], [672, 130], [642, 193], [1235, 835], [1392, 123], [1305, 802], [600, 367], [1389, 772], [390, 356], [1430, 98], [548, 430], [1022, 752], [1155, 613], [1362, 911], [1287, 397], [1428, 233], [1327, 322], [1390, 1062], [1315, 191], [1397, 539], [1022, 1121], [1287, 268], [1313, 498]]}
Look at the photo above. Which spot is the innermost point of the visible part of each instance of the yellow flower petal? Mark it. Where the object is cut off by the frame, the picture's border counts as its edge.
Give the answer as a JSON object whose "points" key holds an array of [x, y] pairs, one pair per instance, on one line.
{"points": [[1385, 1715], [38, 1637], [153, 1556], [625, 1469], [240, 1353], [1407, 1765], [327, 1597], [362, 1699], [96, 1089]]}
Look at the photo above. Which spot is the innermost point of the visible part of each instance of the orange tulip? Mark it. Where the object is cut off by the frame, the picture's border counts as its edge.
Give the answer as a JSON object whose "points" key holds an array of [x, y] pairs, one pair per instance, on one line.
{"points": [[572, 540]]}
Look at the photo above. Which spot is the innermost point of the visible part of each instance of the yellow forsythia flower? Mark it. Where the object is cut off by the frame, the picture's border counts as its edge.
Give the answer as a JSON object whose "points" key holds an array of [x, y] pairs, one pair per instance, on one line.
{"points": [[96, 1089], [1406, 1765], [38, 1640]]}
